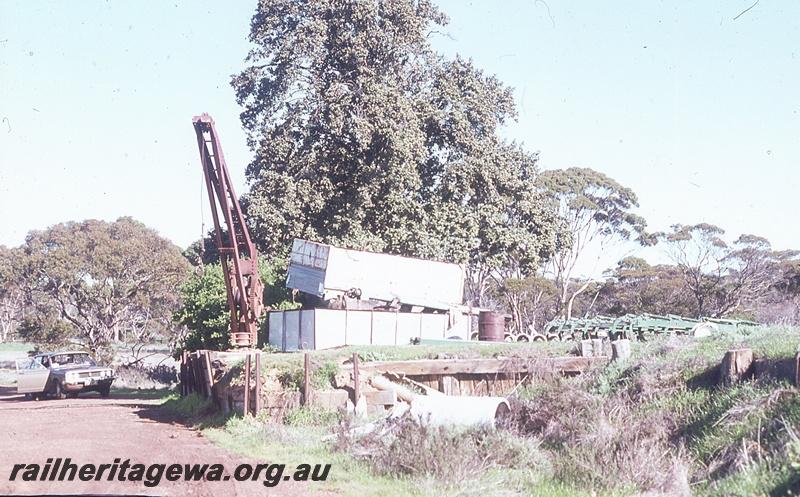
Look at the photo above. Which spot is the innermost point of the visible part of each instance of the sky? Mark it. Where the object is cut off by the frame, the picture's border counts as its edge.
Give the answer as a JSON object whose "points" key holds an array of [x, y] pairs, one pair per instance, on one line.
{"points": [[692, 105]]}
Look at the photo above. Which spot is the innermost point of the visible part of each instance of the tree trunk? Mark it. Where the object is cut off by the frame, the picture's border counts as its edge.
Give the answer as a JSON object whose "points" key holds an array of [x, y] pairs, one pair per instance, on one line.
{"points": [[568, 314]]}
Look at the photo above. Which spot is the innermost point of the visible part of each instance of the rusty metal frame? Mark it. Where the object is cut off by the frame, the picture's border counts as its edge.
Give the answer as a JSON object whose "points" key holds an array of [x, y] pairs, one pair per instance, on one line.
{"points": [[237, 252]]}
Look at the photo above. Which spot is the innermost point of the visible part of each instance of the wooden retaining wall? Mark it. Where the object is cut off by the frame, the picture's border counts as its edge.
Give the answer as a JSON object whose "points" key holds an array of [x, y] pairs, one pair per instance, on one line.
{"points": [[457, 377], [473, 377]]}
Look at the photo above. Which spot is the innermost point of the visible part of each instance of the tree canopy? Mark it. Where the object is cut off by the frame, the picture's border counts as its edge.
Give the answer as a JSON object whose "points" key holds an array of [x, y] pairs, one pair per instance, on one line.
{"points": [[365, 138], [11, 295], [636, 287], [87, 282]]}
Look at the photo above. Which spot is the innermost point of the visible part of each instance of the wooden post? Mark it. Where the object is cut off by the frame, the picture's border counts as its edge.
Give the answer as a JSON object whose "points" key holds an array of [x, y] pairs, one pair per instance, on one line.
{"points": [[587, 348], [188, 373], [306, 379], [737, 365], [246, 410], [797, 370], [599, 347], [208, 377], [620, 349], [257, 392], [192, 373], [183, 373], [198, 375], [356, 389]]}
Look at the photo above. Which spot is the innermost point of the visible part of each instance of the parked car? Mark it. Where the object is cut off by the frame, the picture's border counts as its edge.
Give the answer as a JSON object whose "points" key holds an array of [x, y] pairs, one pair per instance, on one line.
{"points": [[62, 374]]}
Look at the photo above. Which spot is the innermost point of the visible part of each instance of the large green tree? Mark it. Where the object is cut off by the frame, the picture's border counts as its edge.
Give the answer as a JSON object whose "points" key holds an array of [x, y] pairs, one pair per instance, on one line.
{"points": [[89, 282], [364, 137], [726, 277], [753, 268], [700, 252]]}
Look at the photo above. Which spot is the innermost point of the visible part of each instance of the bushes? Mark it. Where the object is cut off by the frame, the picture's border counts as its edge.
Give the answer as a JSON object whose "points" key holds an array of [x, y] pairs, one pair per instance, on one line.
{"points": [[142, 376], [449, 455], [599, 442], [659, 422]]}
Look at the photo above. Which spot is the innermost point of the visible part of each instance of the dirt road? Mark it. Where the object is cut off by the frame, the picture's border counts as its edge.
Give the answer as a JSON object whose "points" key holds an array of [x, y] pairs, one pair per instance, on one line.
{"points": [[97, 431]]}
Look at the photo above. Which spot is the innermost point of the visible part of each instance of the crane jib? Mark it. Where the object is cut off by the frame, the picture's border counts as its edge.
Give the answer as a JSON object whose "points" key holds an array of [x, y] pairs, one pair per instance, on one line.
{"points": [[238, 254]]}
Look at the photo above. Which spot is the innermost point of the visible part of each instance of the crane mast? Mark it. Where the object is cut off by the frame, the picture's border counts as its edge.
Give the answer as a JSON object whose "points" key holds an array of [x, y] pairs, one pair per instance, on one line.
{"points": [[237, 253]]}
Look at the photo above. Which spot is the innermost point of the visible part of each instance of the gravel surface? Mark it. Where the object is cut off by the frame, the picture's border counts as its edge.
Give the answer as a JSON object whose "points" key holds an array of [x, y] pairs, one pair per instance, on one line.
{"points": [[93, 430]]}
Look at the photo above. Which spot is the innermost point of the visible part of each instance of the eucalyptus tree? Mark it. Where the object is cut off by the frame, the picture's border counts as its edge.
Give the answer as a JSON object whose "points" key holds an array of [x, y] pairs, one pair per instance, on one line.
{"points": [[594, 208], [700, 252], [634, 287], [89, 282], [11, 295], [364, 137]]}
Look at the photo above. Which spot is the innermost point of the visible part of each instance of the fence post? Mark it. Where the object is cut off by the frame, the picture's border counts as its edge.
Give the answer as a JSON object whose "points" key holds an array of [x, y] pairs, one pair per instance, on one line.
{"points": [[258, 384], [209, 376], [306, 379], [183, 374], [356, 389], [247, 385]]}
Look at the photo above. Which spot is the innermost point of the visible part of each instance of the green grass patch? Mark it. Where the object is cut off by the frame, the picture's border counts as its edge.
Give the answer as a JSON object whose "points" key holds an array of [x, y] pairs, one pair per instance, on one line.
{"points": [[192, 407], [144, 394], [16, 346]]}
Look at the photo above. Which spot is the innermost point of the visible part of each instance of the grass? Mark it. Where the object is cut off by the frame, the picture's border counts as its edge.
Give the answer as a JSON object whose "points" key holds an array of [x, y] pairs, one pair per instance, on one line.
{"points": [[16, 346], [473, 463], [654, 423], [143, 393], [8, 377]]}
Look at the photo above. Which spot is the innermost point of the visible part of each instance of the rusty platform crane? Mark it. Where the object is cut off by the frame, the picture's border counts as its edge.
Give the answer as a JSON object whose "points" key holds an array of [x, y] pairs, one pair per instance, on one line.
{"points": [[237, 252]]}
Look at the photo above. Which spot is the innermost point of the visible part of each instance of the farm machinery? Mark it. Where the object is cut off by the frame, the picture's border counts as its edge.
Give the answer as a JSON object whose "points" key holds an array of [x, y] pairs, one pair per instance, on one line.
{"points": [[630, 326]]}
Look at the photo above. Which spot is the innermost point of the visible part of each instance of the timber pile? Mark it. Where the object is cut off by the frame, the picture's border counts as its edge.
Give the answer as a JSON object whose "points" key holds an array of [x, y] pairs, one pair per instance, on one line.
{"points": [[208, 373]]}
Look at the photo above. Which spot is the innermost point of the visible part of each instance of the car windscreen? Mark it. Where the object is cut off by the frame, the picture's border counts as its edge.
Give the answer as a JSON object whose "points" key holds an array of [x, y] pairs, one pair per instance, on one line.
{"points": [[71, 360]]}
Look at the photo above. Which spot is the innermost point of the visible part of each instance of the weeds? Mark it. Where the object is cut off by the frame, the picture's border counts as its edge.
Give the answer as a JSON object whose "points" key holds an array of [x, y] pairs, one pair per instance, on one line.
{"points": [[193, 407], [310, 416], [139, 375], [447, 455]]}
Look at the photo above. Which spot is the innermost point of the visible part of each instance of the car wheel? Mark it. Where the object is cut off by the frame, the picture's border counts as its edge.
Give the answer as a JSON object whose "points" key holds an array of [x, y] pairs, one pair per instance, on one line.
{"points": [[105, 391], [59, 392]]}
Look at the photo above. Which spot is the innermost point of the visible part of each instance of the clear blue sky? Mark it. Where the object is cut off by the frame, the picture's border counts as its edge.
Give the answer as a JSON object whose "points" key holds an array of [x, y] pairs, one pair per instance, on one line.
{"points": [[693, 105]]}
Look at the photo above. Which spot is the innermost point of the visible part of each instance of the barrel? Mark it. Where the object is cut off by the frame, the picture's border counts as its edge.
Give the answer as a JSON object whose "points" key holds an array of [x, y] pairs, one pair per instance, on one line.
{"points": [[491, 326]]}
